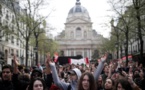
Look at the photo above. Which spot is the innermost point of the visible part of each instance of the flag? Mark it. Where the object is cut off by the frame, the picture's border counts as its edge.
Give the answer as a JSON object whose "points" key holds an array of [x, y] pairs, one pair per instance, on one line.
{"points": [[55, 57]]}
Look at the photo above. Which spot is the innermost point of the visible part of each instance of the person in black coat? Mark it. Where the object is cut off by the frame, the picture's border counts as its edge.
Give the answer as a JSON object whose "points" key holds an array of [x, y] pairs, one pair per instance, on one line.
{"points": [[6, 82]]}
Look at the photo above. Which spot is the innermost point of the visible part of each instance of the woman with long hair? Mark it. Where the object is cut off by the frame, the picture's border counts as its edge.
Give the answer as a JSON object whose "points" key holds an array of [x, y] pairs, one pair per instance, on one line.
{"points": [[87, 82], [37, 84], [109, 84], [123, 85]]}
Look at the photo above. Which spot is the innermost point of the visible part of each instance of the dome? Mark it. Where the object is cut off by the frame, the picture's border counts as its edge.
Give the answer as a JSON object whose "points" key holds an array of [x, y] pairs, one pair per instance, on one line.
{"points": [[78, 10]]}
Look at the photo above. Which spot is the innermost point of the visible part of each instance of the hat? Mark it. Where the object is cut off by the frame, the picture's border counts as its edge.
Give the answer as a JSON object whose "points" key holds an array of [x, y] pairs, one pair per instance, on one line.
{"points": [[60, 66], [71, 72], [37, 70]]}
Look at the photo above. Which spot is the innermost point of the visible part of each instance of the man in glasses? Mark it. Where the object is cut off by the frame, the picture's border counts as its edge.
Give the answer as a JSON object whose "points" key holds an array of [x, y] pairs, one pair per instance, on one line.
{"points": [[36, 73], [6, 82]]}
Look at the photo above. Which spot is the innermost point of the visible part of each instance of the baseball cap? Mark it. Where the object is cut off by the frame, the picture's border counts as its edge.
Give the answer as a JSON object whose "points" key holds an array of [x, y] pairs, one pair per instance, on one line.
{"points": [[71, 72]]}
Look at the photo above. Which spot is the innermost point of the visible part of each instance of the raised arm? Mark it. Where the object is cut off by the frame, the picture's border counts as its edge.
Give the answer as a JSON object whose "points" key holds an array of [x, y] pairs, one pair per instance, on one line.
{"points": [[56, 79], [100, 67]]}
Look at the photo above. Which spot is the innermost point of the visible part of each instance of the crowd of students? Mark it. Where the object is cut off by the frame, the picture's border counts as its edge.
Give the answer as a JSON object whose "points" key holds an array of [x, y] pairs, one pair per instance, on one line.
{"points": [[95, 76]]}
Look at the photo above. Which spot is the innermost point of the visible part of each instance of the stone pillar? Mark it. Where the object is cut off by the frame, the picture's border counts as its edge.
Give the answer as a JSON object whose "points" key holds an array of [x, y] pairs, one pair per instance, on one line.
{"points": [[66, 52], [74, 52], [90, 54], [83, 52]]}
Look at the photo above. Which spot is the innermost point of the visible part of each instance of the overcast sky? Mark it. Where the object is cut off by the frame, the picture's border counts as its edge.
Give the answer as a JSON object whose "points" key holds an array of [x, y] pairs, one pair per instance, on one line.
{"points": [[98, 11]]}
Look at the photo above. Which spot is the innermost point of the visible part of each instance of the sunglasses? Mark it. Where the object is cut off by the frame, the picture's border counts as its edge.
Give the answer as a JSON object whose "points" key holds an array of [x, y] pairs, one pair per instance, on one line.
{"points": [[36, 74]]}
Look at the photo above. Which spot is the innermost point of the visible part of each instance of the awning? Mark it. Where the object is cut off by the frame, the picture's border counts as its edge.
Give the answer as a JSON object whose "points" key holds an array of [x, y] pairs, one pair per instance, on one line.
{"points": [[129, 58]]}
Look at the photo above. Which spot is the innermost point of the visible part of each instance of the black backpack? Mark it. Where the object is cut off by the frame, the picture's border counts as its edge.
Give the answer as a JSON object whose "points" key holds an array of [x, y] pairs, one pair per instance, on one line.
{"points": [[69, 87]]}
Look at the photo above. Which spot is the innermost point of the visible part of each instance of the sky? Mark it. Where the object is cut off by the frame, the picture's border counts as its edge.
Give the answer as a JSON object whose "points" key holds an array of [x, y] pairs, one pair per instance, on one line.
{"points": [[99, 11]]}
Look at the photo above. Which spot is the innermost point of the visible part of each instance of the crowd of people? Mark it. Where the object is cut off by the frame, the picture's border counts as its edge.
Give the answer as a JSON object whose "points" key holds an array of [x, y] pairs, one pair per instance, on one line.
{"points": [[95, 76]]}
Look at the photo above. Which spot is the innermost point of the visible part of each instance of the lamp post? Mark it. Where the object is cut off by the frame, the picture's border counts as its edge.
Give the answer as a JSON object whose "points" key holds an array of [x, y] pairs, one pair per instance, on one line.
{"points": [[126, 52], [131, 42], [32, 59], [36, 34], [116, 45]]}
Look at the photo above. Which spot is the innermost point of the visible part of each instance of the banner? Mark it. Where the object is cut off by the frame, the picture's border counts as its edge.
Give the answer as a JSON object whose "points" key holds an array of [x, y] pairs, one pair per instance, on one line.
{"points": [[79, 61]]}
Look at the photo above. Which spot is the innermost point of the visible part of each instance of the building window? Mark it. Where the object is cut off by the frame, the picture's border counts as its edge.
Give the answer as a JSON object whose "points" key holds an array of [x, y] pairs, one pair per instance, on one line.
{"points": [[78, 32], [7, 37], [72, 34], [12, 52], [17, 41], [17, 53], [12, 39]]}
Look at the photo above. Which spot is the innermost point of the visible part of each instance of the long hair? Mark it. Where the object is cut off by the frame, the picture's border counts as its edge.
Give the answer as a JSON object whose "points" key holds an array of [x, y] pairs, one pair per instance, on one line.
{"points": [[113, 85], [125, 84], [92, 82], [32, 83]]}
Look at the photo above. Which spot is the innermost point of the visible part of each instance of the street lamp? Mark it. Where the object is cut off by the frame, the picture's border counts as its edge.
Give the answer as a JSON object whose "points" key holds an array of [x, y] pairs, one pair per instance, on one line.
{"points": [[32, 59], [126, 52], [116, 45], [36, 34], [131, 42]]}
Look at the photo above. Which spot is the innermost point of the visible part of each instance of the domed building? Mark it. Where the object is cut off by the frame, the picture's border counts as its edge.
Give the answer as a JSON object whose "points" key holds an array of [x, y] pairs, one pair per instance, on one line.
{"points": [[78, 38]]}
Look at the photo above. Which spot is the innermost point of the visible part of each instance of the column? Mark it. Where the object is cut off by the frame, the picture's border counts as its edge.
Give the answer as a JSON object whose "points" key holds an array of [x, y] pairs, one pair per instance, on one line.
{"points": [[74, 52], [90, 54], [83, 52], [66, 52]]}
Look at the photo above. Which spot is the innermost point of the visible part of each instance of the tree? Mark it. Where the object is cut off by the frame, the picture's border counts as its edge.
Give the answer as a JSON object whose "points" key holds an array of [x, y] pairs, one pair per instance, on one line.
{"points": [[123, 20], [30, 18], [95, 55], [139, 6]]}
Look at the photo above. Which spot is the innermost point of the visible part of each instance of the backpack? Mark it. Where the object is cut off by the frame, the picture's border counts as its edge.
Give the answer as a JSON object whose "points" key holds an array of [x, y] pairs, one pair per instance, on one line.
{"points": [[69, 87]]}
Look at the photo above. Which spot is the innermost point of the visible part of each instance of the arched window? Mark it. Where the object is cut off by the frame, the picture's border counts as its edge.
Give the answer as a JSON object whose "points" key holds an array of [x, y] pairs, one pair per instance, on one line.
{"points": [[78, 32]]}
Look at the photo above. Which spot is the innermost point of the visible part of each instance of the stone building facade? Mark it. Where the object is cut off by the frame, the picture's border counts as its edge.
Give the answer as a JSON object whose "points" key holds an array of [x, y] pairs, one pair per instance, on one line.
{"points": [[78, 38]]}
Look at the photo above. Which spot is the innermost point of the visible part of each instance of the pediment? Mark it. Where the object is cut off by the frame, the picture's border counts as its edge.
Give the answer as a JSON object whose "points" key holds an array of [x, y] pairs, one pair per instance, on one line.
{"points": [[78, 21]]}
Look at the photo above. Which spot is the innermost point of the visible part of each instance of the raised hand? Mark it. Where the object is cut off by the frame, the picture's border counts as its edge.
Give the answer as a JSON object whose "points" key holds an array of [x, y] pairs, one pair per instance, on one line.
{"points": [[103, 58], [124, 73], [47, 64], [49, 60], [15, 60]]}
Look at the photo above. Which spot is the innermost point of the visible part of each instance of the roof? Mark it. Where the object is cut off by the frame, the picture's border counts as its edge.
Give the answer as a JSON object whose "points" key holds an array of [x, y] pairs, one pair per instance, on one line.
{"points": [[78, 9]]}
